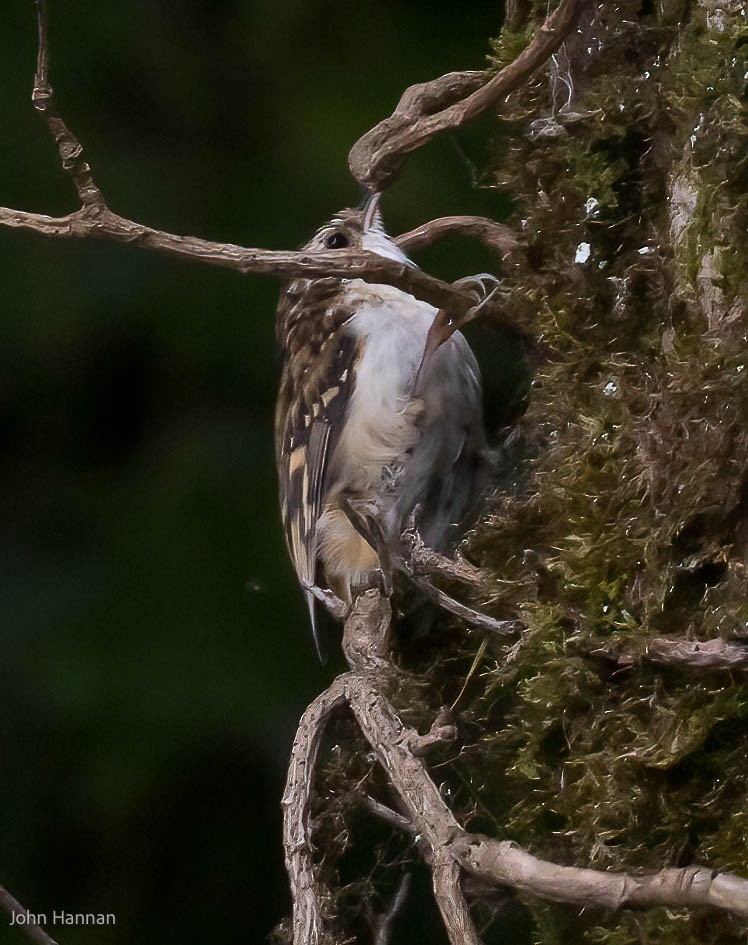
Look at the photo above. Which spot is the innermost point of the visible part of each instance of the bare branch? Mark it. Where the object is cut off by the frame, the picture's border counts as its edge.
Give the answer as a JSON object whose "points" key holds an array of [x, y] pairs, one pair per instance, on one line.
{"points": [[508, 865], [98, 222], [390, 740], [427, 97], [296, 804], [420, 563], [367, 634], [69, 147], [497, 237], [14, 908], [446, 877], [502, 863], [94, 220], [473, 617], [387, 814], [427, 110]]}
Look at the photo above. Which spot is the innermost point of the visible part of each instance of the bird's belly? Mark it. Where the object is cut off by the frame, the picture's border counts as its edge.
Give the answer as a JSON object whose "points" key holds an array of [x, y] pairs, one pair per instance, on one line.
{"points": [[382, 424], [396, 451], [390, 441]]}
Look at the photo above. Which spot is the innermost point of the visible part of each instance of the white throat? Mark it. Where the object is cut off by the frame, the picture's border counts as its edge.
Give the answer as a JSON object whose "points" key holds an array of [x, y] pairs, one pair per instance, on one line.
{"points": [[377, 241]]}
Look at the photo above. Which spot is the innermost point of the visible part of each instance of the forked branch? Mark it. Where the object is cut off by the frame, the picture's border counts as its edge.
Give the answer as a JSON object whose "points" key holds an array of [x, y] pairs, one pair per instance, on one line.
{"points": [[452, 852]]}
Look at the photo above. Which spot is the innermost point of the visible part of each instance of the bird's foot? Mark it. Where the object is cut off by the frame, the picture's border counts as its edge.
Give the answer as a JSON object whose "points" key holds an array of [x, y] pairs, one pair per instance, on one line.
{"points": [[483, 287], [420, 559]]}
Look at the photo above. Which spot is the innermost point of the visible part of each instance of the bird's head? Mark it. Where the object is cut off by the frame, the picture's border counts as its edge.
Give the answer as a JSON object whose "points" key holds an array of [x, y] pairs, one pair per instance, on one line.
{"points": [[356, 230]]}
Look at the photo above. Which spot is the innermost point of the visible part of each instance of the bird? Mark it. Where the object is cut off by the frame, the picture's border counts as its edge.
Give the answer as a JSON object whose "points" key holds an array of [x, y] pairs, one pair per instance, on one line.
{"points": [[372, 426]]}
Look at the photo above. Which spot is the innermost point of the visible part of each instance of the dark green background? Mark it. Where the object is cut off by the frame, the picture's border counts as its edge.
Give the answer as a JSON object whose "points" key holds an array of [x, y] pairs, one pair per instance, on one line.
{"points": [[155, 650]]}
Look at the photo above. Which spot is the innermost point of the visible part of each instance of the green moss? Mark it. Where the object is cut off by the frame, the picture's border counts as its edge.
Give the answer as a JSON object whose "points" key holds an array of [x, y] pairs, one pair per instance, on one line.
{"points": [[625, 520], [507, 46]]}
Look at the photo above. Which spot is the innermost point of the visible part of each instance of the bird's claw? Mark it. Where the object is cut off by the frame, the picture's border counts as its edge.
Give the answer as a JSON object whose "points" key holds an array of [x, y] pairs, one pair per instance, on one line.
{"points": [[483, 287]]}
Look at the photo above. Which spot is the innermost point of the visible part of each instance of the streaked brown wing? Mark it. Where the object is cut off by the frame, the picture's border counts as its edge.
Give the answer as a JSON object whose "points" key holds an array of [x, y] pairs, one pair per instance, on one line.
{"points": [[311, 412]]}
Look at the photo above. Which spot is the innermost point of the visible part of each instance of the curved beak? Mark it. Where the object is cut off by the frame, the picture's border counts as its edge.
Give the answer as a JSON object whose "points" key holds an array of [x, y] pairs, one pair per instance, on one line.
{"points": [[370, 208]]}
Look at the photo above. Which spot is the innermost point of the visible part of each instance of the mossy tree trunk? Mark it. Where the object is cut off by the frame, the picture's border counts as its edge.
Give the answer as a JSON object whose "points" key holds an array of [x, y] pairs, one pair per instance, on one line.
{"points": [[629, 172], [623, 516]]}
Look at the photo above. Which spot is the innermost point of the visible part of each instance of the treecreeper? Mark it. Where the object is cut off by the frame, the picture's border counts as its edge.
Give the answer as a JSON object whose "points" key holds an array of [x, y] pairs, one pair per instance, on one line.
{"points": [[379, 419]]}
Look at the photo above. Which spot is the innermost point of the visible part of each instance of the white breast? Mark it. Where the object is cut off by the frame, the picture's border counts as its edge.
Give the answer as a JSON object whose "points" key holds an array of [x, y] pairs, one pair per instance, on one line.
{"points": [[397, 452], [393, 444], [391, 327]]}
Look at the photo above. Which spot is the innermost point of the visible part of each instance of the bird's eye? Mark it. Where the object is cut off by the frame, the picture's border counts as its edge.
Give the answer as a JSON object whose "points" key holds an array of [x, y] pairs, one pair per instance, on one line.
{"points": [[336, 240]]}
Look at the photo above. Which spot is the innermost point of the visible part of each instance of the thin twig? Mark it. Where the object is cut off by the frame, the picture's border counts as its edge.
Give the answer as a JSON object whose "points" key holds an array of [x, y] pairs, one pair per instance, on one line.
{"points": [[68, 146], [386, 921], [473, 617], [387, 814], [30, 928], [96, 222], [507, 864]]}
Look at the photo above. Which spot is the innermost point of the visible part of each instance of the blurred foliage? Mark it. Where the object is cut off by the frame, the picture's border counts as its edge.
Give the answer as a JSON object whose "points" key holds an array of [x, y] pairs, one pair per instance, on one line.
{"points": [[156, 652]]}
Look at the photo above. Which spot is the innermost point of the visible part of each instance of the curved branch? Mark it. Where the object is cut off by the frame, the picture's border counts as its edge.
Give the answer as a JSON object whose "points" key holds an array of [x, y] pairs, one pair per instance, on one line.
{"points": [[497, 237], [94, 220], [503, 863], [426, 110], [449, 847], [296, 804]]}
